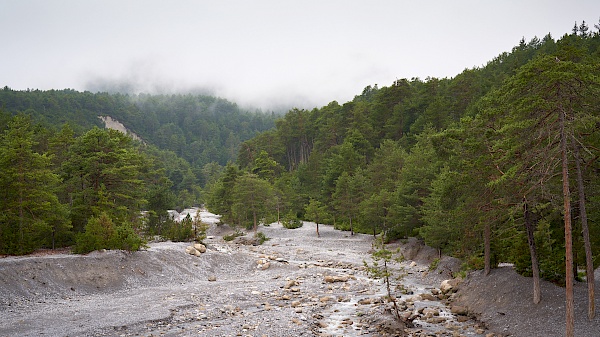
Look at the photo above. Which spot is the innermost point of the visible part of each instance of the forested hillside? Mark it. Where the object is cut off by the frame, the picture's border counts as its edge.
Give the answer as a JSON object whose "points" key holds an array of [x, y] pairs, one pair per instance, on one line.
{"points": [[471, 164], [61, 172]]}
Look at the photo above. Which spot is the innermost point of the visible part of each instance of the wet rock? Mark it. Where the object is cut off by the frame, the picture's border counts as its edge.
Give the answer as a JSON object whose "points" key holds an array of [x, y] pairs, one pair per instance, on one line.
{"points": [[430, 312], [428, 297], [436, 320]]}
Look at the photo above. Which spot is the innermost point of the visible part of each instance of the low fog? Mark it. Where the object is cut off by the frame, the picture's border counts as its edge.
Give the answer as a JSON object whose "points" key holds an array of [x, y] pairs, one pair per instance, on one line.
{"points": [[265, 53]]}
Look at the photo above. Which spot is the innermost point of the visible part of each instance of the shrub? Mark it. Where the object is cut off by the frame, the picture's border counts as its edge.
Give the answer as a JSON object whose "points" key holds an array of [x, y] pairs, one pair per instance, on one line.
{"points": [[180, 231], [232, 235], [261, 238], [342, 225], [101, 233], [292, 223]]}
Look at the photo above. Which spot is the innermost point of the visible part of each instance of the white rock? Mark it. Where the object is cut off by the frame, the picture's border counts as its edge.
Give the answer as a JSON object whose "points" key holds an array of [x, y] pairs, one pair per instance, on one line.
{"points": [[200, 247]]}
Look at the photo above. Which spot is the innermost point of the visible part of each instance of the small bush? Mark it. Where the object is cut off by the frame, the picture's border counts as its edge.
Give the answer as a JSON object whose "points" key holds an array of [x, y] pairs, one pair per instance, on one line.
{"points": [[342, 226], [101, 233], [475, 263], [261, 238], [200, 229], [292, 223], [179, 231], [232, 235]]}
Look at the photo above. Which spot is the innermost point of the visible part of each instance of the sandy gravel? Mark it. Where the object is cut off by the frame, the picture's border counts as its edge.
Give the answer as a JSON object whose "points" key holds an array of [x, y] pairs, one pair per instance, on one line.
{"points": [[164, 291]]}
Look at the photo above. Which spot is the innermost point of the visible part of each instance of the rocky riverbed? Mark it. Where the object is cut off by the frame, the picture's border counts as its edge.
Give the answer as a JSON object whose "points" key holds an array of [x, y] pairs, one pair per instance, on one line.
{"points": [[295, 284]]}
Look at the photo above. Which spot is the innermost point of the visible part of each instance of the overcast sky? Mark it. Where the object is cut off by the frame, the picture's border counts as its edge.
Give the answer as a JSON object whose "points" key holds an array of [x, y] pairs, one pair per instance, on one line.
{"points": [[264, 52]]}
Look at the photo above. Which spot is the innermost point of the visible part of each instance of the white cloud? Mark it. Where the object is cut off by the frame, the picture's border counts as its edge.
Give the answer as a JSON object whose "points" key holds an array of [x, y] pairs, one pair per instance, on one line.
{"points": [[264, 52]]}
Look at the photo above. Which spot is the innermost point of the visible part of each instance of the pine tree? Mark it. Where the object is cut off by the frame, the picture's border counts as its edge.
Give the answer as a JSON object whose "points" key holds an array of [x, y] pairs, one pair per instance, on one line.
{"points": [[31, 211]]}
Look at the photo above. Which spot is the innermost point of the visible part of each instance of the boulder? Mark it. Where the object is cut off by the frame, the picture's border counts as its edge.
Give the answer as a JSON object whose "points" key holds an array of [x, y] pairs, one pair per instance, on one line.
{"points": [[459, 310], [200, 247], [290, 284], [430, 312], [428, 297], [190, 250], [325, 299], [449, 286]]}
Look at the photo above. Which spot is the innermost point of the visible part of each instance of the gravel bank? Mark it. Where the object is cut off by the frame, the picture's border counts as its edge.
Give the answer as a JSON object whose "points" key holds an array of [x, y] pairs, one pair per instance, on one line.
{"points": [[296, 284]]}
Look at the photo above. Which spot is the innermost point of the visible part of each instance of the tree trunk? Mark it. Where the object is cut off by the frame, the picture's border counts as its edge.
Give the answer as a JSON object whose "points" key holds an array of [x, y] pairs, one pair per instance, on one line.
{"points": [[487, 249], [255, 222], [569, 278], [585, 231], [351, 229], [535, 267]]}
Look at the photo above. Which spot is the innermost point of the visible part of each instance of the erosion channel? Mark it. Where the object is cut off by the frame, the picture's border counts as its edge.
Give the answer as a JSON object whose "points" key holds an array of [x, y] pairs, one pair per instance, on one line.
{"points": [[295, 284]]}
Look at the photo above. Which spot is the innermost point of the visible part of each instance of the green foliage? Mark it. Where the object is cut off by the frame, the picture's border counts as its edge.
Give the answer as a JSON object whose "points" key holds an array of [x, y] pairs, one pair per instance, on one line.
{"points": [[261, 238], [451, 159], [230, 237], [434, 264], [381, 268], [101, 233], [291, 222], [32, 216], [103, 174], [180, 231]]}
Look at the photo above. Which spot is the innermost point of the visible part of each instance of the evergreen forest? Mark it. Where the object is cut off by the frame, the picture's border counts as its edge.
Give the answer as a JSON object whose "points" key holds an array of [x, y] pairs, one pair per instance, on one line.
{"points": [[488, 166], [66, 180], [479, 166]]}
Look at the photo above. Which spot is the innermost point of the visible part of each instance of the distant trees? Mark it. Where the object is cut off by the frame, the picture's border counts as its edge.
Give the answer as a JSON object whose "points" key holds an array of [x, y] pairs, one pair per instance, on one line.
{"points": [[58, 189], [187, 132]]}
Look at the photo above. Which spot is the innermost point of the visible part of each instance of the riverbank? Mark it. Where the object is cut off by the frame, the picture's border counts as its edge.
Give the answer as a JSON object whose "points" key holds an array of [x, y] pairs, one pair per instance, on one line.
{"points": [[296, 283]]}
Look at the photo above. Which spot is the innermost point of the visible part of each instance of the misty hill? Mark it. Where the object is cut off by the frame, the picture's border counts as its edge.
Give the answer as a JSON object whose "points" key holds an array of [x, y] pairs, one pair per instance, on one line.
{"points": [[199, 128]]}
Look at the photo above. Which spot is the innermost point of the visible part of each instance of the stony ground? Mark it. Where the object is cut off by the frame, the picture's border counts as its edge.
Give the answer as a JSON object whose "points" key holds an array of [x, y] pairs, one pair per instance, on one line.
{"points": [[295, 284]]}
